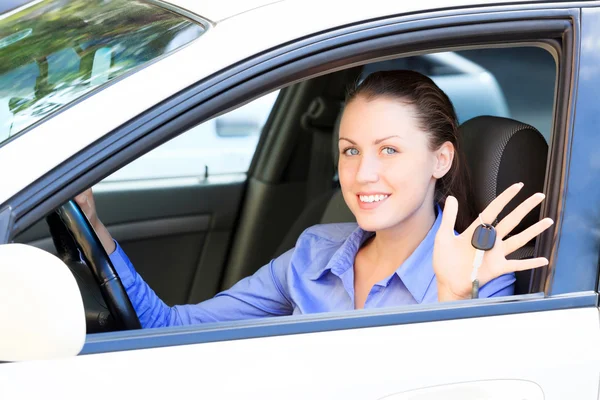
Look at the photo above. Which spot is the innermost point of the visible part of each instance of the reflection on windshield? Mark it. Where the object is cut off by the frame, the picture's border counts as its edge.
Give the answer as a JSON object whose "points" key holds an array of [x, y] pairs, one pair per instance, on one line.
{"points": [[56, 51]]}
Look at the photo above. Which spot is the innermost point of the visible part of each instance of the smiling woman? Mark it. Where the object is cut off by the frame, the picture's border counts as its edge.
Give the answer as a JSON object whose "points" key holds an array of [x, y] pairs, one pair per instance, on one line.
{"points": [[420, 117], [400, 164], [54, 52]]}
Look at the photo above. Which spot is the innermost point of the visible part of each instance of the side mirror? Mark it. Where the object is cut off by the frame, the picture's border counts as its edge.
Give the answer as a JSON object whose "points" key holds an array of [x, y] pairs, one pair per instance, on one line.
{"points": [[41, 308]]}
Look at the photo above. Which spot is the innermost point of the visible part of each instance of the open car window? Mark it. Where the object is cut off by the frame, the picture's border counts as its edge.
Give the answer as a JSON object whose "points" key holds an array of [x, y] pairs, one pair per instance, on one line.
{"points": [[53, 52], [159, 207]]}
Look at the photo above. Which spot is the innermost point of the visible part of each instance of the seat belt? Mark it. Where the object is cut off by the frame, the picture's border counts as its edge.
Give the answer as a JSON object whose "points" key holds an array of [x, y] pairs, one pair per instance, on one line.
{"points": [[319, 121]]}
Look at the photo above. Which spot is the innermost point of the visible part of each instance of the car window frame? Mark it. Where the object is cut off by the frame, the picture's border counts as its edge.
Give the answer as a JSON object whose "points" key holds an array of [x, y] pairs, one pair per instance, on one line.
{"points": [[582, 244], [206, 99]]}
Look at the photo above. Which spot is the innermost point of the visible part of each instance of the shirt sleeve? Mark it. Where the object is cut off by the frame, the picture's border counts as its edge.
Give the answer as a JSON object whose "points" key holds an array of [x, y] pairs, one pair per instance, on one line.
{"points": [[259, 295], [503, 285]]}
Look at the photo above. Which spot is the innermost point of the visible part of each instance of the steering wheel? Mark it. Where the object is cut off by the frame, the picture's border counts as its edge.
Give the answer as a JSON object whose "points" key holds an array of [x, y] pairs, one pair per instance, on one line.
{"points": [[107, 306]]}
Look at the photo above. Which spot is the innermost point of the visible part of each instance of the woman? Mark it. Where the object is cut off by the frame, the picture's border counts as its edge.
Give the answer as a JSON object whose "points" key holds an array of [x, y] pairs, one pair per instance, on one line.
{"points": [[400, 163]]}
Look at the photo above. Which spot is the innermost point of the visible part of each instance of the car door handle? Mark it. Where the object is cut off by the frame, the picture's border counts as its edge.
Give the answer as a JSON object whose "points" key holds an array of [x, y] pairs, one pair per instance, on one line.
{"points": [[500, 389]]}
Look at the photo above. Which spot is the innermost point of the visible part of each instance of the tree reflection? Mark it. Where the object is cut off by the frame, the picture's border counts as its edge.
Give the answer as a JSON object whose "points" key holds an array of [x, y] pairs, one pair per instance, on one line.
{"points": [[58, 50]]}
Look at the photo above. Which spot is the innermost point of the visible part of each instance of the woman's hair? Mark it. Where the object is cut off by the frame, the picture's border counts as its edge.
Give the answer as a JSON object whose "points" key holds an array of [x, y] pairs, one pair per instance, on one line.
{"points": [[437, 117]]}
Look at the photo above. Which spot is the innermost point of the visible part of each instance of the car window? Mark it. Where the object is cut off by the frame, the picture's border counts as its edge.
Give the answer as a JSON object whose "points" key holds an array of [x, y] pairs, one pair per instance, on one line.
{"points": [[489, 82], [56, 51], [221, 146], [479, 82], [527, 85]]}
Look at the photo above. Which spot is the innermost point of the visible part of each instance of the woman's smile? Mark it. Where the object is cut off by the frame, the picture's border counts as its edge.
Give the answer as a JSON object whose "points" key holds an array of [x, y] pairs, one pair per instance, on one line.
{"points": [[369, 201]]}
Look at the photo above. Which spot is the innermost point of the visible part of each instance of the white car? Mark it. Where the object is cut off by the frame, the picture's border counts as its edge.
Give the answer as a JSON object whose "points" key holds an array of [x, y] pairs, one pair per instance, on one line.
{"points": [[117, 94]]}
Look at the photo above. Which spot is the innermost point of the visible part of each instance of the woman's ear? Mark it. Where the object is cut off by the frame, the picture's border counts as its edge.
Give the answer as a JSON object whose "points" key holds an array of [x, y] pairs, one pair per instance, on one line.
{"points": [[443, 160]]}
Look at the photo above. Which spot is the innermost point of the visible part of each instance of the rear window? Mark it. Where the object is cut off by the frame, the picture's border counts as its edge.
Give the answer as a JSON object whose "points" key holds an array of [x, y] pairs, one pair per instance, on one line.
{"points": [[53, 52]]}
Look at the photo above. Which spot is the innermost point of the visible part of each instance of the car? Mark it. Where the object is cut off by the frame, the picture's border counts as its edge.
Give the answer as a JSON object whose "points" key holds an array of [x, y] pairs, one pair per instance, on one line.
{"points": [[167, 70]]}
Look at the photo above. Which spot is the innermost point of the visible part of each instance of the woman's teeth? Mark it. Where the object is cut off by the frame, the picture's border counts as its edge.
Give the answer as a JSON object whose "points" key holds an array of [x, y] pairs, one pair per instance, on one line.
{"points": [[373, 198]]}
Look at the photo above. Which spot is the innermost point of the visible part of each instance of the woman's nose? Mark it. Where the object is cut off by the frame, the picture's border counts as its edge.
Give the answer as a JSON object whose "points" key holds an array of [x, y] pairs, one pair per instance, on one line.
{"points": [[368, 170]]}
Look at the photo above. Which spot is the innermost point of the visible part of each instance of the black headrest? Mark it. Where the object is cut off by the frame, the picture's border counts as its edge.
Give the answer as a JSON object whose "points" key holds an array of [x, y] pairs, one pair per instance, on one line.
{"points": [[500, 152]]}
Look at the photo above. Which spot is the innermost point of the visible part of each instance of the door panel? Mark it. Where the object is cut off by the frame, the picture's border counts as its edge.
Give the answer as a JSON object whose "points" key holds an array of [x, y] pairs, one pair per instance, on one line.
{"points": [[168, 263], [164, 229], [557, 351]]}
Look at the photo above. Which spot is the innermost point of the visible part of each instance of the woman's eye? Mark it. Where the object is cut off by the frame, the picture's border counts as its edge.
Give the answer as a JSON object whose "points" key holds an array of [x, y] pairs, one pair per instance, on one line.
{"points": [[351, 152], [388, 151]]}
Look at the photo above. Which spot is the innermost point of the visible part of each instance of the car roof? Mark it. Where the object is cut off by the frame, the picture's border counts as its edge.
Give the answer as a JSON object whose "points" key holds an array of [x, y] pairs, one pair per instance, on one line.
{"points": [[217, 11]]}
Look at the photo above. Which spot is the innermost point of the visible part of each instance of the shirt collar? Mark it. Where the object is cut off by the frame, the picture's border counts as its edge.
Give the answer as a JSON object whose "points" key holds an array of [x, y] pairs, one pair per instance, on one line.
{"points": [[343, 258], [416, 272]]}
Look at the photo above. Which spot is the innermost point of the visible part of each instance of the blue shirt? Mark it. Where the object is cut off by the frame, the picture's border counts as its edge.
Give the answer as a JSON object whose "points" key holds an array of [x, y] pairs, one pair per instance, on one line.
{"points": [[316, 276]]}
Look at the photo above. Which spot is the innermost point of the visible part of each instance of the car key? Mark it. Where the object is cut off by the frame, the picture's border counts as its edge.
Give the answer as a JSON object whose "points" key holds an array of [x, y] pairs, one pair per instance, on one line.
{"points": [[483, 239]]}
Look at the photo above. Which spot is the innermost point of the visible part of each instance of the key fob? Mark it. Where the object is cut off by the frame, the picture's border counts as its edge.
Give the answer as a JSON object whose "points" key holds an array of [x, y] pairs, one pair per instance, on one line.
{"points": [[484, 237]]}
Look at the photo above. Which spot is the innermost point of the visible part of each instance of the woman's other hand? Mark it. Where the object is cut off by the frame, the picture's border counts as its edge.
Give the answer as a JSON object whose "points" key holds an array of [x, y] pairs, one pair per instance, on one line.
{"points": [[453, 255], [85, 200]]}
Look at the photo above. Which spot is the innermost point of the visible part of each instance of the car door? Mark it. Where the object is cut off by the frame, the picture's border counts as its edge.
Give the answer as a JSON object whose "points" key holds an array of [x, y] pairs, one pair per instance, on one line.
{"points": [[538, 346]]}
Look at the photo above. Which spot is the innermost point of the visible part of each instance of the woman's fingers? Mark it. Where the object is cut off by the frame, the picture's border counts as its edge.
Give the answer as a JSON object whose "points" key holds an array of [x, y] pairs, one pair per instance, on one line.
{"points": [[496, 206], [517, 241], [85, 200], [522, 265], [449, 216], [513, 219]]}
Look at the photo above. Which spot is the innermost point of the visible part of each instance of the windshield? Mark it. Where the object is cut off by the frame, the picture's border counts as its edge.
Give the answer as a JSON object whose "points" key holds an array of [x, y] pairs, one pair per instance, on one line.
{"points": [[55, 51]]}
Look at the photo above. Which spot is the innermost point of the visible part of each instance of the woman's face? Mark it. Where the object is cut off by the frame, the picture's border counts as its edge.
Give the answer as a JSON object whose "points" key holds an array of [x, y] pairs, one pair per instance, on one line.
{"points": [[387, 171]]}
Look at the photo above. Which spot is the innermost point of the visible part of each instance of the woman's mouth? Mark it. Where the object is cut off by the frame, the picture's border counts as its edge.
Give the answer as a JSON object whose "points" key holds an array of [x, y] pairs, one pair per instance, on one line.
{"points": [[370, 201]]}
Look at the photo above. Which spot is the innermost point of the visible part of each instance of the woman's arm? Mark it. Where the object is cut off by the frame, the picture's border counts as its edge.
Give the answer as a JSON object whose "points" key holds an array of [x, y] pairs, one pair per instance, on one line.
{"points": [[86, 201], [259, 295]]}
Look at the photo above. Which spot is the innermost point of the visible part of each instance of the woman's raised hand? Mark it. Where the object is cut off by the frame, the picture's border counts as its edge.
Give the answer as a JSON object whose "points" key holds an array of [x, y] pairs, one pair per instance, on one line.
{"points": [[453, 255], [86, 201]]}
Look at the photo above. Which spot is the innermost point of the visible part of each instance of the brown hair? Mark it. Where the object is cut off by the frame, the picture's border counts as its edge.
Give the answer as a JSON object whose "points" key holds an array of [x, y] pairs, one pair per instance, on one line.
{"points": [[436, 116]]}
